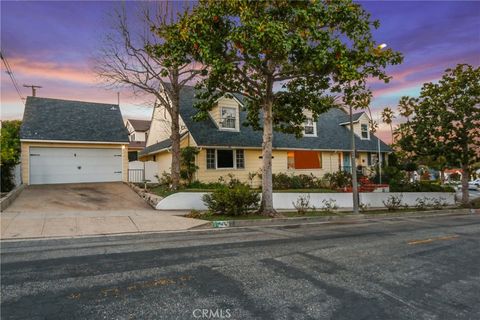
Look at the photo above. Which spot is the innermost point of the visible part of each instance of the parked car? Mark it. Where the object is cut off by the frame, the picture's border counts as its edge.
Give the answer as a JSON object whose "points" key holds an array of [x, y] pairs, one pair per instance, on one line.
{"points": [[474, 185], [476, 182]]}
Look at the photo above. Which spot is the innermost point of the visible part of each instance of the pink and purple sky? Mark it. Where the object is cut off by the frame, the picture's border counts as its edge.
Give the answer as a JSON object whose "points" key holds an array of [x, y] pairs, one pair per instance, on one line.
{"points": [[53, 44]]}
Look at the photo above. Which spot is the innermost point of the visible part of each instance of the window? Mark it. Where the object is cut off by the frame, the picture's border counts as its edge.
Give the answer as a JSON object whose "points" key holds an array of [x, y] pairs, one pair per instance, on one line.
{"points": [[229, 118], [132, 137], [240, 159], [309, 128], [211, 159], [225, 159], [304, 160], [365, 133]]}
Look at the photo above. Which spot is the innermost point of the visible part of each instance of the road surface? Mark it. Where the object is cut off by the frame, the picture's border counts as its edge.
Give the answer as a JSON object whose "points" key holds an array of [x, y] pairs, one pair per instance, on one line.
{"points": [[396, 269]]}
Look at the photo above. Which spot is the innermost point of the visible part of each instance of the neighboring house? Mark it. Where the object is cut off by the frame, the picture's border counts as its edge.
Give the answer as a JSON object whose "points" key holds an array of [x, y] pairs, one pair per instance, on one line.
{"points": [[226, 146], [67, 141], [137, 134]]}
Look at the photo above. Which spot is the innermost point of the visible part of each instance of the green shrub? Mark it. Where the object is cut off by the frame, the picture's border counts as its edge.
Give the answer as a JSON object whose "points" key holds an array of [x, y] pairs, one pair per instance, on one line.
{"points": [[339, 179], [165, 179], [393, 203], [329, 205], [187, 163], [202, 185], [282, 181], [233, 199], [420, 186], [7, 179], [302, 205]]}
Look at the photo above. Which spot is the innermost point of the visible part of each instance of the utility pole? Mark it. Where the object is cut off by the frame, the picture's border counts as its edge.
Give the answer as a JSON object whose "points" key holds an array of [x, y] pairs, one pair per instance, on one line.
{"points": [[354, 166], [34, 88]]}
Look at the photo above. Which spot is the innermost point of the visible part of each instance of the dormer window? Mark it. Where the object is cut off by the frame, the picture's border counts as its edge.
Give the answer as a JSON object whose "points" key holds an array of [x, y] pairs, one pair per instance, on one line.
{"points": [[309, 128], [229, 118], [364, 131]]}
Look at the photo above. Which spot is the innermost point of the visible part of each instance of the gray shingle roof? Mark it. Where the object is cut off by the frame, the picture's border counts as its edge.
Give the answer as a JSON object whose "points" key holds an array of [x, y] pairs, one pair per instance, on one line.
{"points": [[140, 125], [346, 118], [167, 143], [66, 120], [330, 135]]}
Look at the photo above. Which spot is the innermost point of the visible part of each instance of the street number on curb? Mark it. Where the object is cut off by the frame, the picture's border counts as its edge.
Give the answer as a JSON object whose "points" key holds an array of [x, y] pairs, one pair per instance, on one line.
{"points": [[220, 224]]}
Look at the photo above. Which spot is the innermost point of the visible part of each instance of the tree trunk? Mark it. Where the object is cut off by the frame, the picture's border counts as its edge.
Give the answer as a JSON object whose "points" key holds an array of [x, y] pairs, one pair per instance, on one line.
{"points": [[353, 159], [266, 206], [442, 176], [465, 177], [391, 131], [175, 137]]}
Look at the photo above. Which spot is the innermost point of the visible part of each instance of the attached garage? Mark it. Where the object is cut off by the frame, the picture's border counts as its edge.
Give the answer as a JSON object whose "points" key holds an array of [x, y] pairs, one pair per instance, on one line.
{"points": [[74, 165], [73, 142]]}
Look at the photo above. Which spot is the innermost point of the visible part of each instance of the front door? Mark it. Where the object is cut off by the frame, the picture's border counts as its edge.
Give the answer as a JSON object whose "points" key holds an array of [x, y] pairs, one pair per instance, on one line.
{"points": [[347, 162]]}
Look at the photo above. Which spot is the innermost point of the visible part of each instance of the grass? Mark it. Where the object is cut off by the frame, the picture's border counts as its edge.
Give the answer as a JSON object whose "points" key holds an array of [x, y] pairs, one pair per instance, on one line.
{"points": [[254, 216], [295, 214]]}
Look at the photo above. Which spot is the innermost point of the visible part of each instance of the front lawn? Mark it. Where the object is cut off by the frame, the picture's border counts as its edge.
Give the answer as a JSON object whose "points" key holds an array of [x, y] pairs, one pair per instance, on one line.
{"points": [[295, 214], [254, 216]]}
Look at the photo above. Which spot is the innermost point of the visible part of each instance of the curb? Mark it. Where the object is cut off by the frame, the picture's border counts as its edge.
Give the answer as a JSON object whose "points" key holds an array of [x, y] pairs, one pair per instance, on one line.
{"points": [[10, 197], [337, 219]]}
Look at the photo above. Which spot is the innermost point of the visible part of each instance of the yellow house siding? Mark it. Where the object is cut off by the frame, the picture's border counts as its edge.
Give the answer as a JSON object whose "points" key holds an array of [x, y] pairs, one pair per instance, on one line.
{"points": [[25, 149], [164, 160], [253, 164]]}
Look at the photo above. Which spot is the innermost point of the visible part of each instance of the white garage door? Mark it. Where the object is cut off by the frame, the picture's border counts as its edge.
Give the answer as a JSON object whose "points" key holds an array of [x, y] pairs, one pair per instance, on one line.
{"points": [[74, 165]]}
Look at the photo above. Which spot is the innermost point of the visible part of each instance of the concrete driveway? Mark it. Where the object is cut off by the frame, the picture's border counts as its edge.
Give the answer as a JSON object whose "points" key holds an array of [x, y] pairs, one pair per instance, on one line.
{"points": [[69, 210]]}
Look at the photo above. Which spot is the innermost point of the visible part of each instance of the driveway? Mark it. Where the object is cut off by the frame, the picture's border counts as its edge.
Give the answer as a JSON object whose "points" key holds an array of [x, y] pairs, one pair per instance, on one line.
{"points": [[68, 210]]}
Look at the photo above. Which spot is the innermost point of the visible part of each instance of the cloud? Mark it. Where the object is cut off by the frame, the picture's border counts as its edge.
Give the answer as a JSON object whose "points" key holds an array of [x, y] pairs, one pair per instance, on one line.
{"points": [[28, 69]]}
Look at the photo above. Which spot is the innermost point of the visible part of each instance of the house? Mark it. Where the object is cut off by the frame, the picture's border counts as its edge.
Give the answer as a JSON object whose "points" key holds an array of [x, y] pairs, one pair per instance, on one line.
{"points": [[137, 134], [227, 146], [65, 141]]}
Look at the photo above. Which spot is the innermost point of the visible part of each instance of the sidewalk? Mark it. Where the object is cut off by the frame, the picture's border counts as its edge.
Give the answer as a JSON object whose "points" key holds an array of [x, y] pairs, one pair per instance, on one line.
{"points": [[20, 225]]}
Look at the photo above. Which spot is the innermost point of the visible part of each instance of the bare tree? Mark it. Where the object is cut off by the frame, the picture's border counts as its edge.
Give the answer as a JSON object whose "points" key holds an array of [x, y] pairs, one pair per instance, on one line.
{"points": [[150, 61]]}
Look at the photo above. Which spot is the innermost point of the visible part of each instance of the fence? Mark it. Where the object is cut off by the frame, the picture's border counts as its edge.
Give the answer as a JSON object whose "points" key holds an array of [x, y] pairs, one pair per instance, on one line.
{"points": [[139, 171]]}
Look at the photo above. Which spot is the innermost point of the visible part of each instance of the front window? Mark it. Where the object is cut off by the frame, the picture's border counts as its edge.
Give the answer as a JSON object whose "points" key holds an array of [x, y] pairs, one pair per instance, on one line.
{"points": [[309, 128], [365, 134], [229, 119], [211, 162], [304, 160], [225, 159], [240, 159]]}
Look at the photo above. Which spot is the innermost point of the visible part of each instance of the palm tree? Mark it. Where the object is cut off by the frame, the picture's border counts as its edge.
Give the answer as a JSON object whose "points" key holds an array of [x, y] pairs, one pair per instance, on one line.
{"points": [[405, 107], [387, 117]]}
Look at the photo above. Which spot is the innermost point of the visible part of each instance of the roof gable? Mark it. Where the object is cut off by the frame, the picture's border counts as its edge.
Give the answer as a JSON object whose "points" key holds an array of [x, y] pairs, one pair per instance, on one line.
{"points": [[67, 120]]}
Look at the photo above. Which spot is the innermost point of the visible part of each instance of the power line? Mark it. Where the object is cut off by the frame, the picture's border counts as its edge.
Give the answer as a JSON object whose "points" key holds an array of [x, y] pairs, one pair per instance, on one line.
{"points": [[12, 76]]}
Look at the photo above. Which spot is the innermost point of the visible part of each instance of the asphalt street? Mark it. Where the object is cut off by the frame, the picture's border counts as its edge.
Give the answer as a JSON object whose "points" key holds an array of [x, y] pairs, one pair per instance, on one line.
{"points": [[403, 268]]}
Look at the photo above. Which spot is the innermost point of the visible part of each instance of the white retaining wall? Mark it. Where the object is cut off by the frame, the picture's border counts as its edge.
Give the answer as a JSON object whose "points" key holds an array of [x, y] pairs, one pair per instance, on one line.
{"points": [[284, 201]]}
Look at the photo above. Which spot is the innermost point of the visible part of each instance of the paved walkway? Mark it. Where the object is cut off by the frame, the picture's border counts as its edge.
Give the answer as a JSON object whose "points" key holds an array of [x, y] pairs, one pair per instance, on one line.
{"points": [[18, 225]]}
